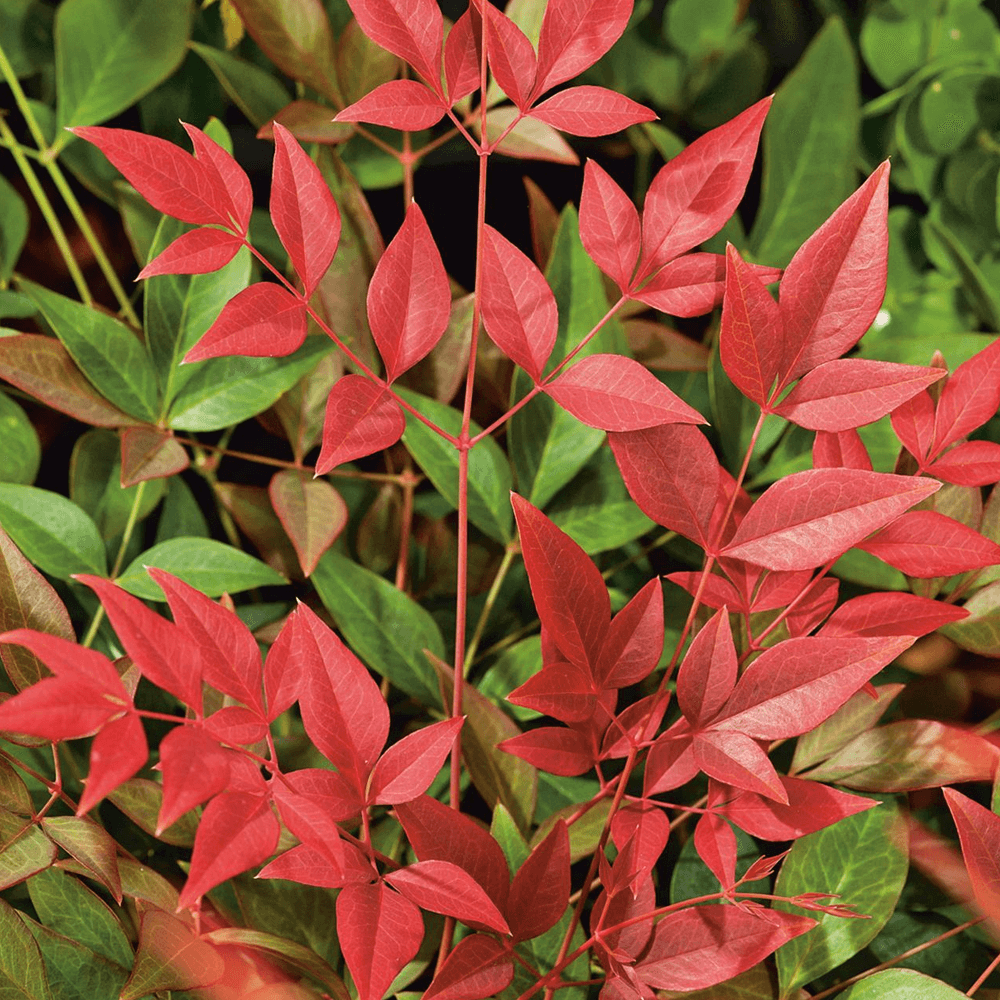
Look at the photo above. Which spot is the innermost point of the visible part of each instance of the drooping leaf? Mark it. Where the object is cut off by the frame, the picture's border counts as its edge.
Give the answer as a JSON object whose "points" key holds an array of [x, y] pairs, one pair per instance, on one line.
{"points": [[443, 887], [361, 418], [22, 970], [312, 512], [979, 835]]}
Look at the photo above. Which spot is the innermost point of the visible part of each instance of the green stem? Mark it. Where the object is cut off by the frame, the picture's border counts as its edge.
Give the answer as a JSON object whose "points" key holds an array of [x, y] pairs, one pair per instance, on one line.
{"points": [[491, 597], [133, 518]]}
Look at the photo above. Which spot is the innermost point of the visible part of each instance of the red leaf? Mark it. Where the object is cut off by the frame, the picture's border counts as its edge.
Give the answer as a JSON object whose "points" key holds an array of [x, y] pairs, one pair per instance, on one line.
{"points": [[706, 945], [891, 614], [462, 59], [194, 769], [560, 690], [735, 759], [574, 35], [311, 818], [634, 726], [672, 473], [476, 968], [411, 29], [716, 592], [693, 195], [609, 225], [172, 181], [57, 708], [344, 714], [794, 686], [230, 175], [811, 807], [438, 833], [970, 397], [519, 309], [715, 843], [840, 450], [979, 835], [621, 907], [510, 54], [236, 726], [361, 418], [974, 463], [379, 932], [634, 640], [237, 831], [648, 828], [554, 749], [835, 283], [841, 395], [196, 252], [401, 104], [70, 660], [809, 518], [305, 865], [751, 339], [303, 210], [819, 600], [443, 887], [924, 543], [591, 111], [409, 299], [569, 592], [708, 672], [311, 511], [229, 651], [117, 753], [913, 423], [670, 762], [615, 393], [339, 799], [408, 767], [284, 669], [161, 651], [539, 893], [262, 321]]}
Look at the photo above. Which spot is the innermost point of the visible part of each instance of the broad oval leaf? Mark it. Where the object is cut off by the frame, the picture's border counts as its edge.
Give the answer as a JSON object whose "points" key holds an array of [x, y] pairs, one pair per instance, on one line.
{"points": [[361, 418], [311, 511]]}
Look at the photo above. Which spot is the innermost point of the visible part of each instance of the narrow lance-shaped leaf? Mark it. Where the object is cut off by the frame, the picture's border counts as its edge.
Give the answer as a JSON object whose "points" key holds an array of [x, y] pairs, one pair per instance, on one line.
{"points": [[511, 56], [401, 104], [412, 29], [443, 887], [970, 397], [979, 835], [609, 225], [539, 893], [708, 672], [196, 252], [591, 111], [478, 966], [408, 767], [221, 166]]}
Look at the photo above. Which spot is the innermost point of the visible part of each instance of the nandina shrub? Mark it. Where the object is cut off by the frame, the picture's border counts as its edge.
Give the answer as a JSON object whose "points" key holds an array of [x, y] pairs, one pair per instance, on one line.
{"points": [[650, 717]]}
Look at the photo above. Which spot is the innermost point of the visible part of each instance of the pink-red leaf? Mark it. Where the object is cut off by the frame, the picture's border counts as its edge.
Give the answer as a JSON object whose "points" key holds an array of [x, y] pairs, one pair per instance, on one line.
{"points": [[117, 753], [672, 473], [973, 463], [172, 181], [835, 283], [569, 592], [924, 543], [409, 299], [477, 967], [706, 945], [715, 843], [311, 511], [462, 58], [539, 893], [196, 252], [970, 397], [262, 321], [68, 659], [308, 866], [634, 641], [379, 932], [615, 393], [443, 887], [979, 835], [57, 708], [671, 762], [194, 769], [811, 517], [708, 672], [694, 194], [913, 423], [406, 105], [411, 29], [303, 210], [751, 339], [648, 828], [408, 767], [237, 831], [361, 418], [851, 392], [554, 749], [511, 56], [559, 690], [609, 225], [840, 450], [311, 818], [575, 35], [735, 759], [891, 614], [591, 111], [519, 309], [230, 175]]}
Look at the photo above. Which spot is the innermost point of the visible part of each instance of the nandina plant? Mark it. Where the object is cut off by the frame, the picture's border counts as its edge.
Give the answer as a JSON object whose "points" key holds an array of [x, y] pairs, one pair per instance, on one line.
{"points": [[654, 725]]}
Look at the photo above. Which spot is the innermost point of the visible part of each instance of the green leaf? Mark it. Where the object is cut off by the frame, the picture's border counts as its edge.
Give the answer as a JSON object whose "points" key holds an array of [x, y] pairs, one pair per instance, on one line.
{"points": [[226, 391], [696, 27], [95, 483], [955, 104], [181, 514], [980, 632], [548, 446], [810, 146], [75, 972], [893, 45], [66, 905], [858, 858], [979, 291], [91, 845], [140, 800], [258, 94], [22, 971], [26, 29], [384, 626], [901, 984], [108, 353], [754, 984], [600, 528], [508, 836], [22, 452], [24, 849], [13, 227], [692, 877], [511, 670], [53, 532], [210, 566], [489, 472], [109, 53]]}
